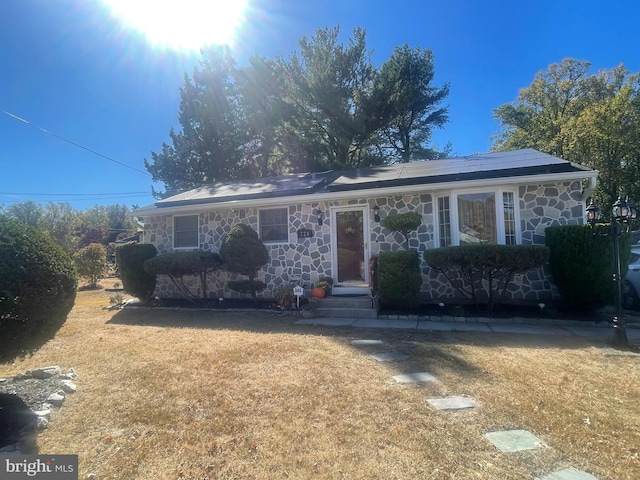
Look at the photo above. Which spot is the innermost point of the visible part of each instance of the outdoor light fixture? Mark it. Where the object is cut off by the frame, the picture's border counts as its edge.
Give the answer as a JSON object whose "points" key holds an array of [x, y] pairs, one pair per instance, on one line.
{"points": [[622, 212], [320, 216], [376, 213]]}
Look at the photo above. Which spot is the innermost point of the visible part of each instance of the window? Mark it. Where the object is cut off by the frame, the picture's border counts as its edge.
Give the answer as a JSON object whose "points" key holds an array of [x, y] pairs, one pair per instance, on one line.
{"points": [[471, 218], [185, 231], [444, 221], [477, 218], [274, 225], [509, 218]]}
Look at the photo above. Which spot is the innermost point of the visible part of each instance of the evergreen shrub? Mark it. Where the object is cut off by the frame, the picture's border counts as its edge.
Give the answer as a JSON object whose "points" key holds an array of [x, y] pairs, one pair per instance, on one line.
{"points": [[581, 261], [38, 283], [399, 278], [130, 260], [484, 272], [177, 264], [243, 252]]}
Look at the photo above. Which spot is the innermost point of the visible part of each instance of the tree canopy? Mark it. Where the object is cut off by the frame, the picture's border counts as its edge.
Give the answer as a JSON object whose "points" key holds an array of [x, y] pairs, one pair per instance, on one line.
{"points": [[324, 107], [590, 119]]}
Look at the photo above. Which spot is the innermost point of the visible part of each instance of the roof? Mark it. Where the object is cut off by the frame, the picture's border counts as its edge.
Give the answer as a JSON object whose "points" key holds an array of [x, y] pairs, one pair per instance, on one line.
{"points": [[512, 165]]}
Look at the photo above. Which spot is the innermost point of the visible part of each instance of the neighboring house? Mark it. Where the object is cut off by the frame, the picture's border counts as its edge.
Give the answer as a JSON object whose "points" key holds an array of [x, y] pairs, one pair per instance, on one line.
{"points": [[328, 224]]}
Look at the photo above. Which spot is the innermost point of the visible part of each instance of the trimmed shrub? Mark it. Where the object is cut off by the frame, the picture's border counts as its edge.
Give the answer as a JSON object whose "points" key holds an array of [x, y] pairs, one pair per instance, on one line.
{"points": [[399, 278], [581, 261], [405, 223], [91, 262], [130, 260], [178, 264], [484, 272], [38, 283], [243, 252]]}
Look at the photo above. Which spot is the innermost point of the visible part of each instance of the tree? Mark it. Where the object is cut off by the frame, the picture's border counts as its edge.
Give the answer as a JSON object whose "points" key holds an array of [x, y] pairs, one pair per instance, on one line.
{"points": [[405, 223], [331, 85], [593, 120], [209, 147], [37, 288], [27, 212], [405, 80], [243, 252], [91, 262], [325, 107]]}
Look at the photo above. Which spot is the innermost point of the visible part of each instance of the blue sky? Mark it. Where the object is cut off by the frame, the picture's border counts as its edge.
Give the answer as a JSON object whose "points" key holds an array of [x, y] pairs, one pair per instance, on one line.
{"points": [[71, 68]]}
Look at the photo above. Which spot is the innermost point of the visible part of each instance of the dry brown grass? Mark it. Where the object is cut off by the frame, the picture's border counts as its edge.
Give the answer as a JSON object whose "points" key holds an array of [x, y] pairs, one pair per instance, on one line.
{"points": [[172, 395]]}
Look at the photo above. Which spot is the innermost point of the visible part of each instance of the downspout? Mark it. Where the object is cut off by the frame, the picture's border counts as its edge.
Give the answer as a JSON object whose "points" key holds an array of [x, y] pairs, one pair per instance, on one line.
{"points": [[137, 221], [588, 190]]}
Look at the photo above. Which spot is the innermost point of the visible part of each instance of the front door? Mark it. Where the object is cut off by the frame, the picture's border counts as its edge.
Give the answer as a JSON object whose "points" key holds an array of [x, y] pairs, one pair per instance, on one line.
{"points": [[350, 245]]}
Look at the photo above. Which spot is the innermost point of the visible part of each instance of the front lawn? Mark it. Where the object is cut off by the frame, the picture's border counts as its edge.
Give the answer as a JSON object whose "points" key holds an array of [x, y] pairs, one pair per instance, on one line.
{"points": [[195, 395]]}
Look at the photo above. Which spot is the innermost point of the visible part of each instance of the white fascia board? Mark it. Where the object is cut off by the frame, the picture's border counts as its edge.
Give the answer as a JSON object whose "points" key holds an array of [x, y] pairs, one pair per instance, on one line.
{"points": [[365, 193]]}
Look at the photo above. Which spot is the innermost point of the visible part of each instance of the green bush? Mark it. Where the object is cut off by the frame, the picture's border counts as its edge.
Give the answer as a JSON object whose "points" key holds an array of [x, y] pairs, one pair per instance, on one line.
{"points": [[130, 260], [399, 278], [484, 272], [581, 261], [178, 264], [284, 296], [405, 223], [91, 262], [38, 283], [244, 253]]}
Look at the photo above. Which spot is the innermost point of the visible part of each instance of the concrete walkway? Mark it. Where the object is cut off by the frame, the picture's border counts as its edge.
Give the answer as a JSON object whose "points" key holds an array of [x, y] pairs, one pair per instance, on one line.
{"points": [[561, 328]]}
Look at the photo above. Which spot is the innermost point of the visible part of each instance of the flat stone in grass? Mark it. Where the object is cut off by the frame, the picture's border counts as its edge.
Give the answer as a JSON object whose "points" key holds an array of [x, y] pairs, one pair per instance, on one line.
{"points": [[389, 356], [515, 440], [367, 342], [452, 403], [414, 377], [568, 474]]}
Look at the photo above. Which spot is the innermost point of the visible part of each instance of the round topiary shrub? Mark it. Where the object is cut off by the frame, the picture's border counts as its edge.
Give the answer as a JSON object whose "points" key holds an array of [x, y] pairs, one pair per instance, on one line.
{"points": [[130, 260], [243, 252], [38, 283]]}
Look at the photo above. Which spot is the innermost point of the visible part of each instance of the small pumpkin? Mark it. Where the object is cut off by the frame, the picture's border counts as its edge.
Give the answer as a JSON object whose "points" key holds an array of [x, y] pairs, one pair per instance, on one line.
{"points": [[318, 292]]}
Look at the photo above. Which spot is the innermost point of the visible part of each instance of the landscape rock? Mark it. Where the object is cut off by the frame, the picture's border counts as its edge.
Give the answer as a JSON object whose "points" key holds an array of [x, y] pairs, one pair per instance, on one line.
{"points": [[56, 399], [45, 372], [26, 401]]}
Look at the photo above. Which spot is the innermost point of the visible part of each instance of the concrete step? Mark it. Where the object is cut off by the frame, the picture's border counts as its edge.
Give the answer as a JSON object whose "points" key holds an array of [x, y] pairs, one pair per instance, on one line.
{"points": [[346, 312], [361, 301]]}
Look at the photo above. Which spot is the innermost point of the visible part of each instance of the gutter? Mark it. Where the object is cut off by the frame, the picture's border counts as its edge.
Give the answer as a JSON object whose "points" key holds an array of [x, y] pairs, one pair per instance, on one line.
{"points": [[365, 194]]}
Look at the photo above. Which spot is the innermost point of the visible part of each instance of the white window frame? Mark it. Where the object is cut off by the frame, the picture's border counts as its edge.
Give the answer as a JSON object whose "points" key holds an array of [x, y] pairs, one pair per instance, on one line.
{"points": [[500, 219], [175, 232], [279, 241]]}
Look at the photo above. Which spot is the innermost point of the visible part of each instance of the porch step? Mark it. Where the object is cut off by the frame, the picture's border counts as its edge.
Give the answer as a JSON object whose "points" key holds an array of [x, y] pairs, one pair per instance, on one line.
{"points": [[346, 307]]}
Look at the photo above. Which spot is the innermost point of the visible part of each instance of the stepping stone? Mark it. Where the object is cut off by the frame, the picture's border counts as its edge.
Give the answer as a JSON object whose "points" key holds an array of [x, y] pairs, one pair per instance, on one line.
{"points": [[389, 356], [452, 403], [414, 377], [515, 440], [367, 342], [568, 474]]}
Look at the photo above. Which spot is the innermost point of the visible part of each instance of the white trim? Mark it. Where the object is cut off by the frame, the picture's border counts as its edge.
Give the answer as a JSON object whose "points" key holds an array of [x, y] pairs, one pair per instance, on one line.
{"points": [[366, 237], [498, 190], [274, 242], [493, 183], [173, 233]]}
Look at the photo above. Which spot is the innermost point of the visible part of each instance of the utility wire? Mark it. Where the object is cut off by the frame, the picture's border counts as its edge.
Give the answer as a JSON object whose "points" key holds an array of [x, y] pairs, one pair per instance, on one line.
{"points": [[76, 194], [73, 143]]}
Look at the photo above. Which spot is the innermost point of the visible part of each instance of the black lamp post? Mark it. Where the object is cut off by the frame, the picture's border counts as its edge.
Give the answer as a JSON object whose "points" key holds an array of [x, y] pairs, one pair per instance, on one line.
{"points": [[623, 211]]}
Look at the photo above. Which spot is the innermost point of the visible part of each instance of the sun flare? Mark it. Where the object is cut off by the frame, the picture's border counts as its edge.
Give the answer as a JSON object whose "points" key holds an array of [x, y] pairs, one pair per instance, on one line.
{"points": [[181, 24]]}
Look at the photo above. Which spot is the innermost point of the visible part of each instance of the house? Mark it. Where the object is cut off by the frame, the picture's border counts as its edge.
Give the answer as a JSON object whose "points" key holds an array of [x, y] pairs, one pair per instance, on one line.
{"points": [[328, 224]]}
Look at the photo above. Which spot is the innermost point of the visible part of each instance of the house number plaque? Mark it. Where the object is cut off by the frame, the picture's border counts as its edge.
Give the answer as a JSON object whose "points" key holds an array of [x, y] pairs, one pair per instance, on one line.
{"points": [[305, 233]]}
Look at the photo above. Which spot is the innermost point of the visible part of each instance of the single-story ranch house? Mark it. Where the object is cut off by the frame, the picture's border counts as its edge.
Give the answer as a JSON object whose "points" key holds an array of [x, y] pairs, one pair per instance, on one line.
{"points": [[327, 224]]}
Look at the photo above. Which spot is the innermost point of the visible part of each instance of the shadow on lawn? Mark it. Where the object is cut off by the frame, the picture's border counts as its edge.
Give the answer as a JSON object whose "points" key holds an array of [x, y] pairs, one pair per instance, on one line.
{"points": [[270, 322]]}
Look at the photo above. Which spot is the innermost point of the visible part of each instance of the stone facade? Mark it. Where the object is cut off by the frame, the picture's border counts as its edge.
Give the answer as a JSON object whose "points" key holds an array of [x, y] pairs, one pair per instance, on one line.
{"points": [[310, 259]]}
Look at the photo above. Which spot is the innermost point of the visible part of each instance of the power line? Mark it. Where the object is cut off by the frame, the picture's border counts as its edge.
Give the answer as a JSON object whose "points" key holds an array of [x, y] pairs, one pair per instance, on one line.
{"points": [[73, 143], [76, 194]]}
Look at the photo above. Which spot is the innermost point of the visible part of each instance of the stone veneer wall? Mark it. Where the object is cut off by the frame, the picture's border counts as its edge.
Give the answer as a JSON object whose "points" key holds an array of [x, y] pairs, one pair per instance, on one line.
{"points": [[310, 258]]}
